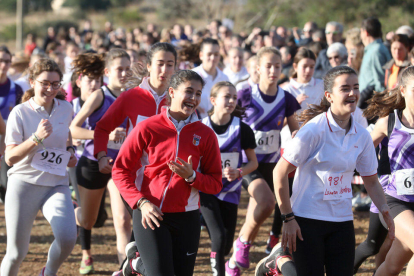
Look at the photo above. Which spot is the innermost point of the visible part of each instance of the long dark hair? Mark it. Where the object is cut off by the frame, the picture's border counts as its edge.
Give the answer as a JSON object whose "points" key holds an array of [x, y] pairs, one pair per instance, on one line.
{"points": [[139, 71], [43, 65], [382, 104], [328, 83]]}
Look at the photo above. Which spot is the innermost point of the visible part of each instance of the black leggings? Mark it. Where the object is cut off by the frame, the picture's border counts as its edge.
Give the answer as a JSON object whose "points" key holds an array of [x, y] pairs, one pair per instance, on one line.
{"points": [[326, 245], [221, 218], [371, 246], [172, 248]]}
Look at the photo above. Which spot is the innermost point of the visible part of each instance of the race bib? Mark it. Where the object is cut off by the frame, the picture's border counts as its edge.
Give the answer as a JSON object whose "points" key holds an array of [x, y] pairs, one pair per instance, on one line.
{"points": [[337, 186], [52, 160], [404, 180], [229, 159], [267, 141], [116, 145]]}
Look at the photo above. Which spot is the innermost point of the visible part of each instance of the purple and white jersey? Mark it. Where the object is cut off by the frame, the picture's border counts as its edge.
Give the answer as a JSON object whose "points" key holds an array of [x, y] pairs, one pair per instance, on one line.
{"points": [[113, 148], [266, 121], [230, 148], [401, 155]]}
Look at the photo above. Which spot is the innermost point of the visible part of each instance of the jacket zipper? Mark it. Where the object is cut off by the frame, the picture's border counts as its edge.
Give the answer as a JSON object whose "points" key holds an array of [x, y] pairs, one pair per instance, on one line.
{"points": [[176, 154]]}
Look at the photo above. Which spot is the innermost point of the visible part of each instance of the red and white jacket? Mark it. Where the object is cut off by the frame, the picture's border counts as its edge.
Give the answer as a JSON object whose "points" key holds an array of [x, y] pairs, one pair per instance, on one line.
{"points": [[141, 169], [136, 104]]}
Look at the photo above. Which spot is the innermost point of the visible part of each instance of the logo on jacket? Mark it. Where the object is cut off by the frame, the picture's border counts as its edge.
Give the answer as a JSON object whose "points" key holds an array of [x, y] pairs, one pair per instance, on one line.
{"points": [[196, 140]]}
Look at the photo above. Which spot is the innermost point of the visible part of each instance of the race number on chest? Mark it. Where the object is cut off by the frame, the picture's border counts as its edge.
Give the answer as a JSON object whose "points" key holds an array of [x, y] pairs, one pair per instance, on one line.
{"points": [[52, 160], [337, 186], [267, 141], [404, 180], [229, 159]]}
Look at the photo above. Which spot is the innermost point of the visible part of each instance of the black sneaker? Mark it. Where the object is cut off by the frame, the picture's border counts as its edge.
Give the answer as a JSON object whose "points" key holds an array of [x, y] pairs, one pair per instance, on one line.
{"points": [[268, 265]]}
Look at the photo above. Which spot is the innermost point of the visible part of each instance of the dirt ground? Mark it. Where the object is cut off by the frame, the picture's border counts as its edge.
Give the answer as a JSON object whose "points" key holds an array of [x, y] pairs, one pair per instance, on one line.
{"points": [[104, 246]]}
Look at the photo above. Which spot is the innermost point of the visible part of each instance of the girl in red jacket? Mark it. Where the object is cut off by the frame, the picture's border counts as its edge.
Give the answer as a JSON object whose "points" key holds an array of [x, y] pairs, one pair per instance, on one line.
{"points": [[164, 163]]}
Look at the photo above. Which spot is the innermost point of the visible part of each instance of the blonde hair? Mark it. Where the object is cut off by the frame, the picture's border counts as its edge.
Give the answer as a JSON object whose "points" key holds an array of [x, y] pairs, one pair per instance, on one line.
{"points": [[268, 50]]}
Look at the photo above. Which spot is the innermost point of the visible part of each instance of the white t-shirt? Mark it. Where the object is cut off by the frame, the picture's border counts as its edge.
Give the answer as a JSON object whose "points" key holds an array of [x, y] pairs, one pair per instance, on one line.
{"points": [[325, 155], [22, 122], [235, 77], [205, 103], [313, 89]]}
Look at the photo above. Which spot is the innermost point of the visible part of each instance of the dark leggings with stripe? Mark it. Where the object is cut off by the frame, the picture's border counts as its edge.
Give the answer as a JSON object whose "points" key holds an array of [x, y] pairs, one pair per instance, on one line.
{"points": [[221, 219]]}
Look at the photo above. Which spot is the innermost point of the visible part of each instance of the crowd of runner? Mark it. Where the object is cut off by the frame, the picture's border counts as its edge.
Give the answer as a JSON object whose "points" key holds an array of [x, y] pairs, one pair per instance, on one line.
{"points": [[295, 116]]}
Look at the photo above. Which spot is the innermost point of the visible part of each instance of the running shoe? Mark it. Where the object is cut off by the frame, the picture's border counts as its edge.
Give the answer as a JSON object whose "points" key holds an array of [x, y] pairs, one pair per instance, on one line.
{"points": [[268, 265], [241, 250], [86, 266], [231, 271], [118, 273], [271, 242], [131, 252]]}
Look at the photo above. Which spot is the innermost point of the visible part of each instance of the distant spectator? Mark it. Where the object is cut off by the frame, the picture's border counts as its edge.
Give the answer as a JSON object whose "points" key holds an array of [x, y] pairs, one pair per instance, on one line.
{"points": [[253, 78], [337, 54], [400, 48], [165, 35], [178, 35], [355, 48], [213, 27], [188, 31], [405, 30], [282, 32], [319, 36], [30, 44], [50, 37], [235, 71], [287, 54], [333, 33], [308, 29], [376, 55]]}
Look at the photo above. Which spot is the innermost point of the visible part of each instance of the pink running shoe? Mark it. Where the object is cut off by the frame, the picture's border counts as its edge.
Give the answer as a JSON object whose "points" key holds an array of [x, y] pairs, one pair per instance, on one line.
{"points": [[231, 271], [241, 250]]}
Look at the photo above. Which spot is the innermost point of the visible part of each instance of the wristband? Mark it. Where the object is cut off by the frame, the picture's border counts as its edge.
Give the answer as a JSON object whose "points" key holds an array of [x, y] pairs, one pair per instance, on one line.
{"points": [[101, 158], [286, 220], [240, 173], [34, 140], [142, 204], [284, 217], [71, 147], [140, 200]]}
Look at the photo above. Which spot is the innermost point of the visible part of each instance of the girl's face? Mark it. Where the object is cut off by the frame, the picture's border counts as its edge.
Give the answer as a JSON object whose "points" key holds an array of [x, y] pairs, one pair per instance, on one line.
{"points": [[345, 94], [253, 72], [118, 72], [210, 56], [398, 51], [186, 98], [46, 86], [407, 92], [270, 68], [235, 60], [87, 85], [305, 69], [161, 69], [225, 101]]}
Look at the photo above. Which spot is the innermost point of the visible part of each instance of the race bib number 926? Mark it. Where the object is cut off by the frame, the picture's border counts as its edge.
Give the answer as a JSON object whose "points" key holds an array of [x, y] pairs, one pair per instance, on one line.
{"points": [[52, 160]]}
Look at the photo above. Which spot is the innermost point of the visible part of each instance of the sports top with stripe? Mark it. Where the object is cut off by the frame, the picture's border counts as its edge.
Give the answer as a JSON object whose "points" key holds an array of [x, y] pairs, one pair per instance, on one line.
{"points": [[91, 121], [400, 152], [265, 116], [230, 149]]}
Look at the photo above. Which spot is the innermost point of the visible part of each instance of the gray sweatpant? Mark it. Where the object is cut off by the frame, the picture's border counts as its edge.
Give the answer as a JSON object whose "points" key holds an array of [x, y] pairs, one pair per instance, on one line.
{"points": [[23, 201]]}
